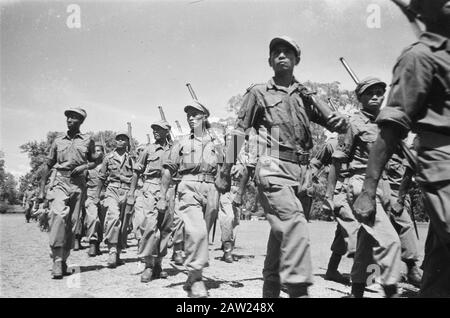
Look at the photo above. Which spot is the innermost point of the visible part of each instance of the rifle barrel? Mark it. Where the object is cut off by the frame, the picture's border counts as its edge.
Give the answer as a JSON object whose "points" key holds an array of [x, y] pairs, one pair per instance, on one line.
{"points": [[191, 91], [161, 113], [350, 71]]}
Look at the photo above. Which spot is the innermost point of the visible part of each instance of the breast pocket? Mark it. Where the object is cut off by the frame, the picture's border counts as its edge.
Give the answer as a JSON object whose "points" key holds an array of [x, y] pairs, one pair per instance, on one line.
{"points": [[277, 114], [190, 158]]}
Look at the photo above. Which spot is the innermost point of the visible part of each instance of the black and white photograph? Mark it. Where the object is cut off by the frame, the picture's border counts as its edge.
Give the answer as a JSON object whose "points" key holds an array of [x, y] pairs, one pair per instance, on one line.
{"points": [[225, 149]]}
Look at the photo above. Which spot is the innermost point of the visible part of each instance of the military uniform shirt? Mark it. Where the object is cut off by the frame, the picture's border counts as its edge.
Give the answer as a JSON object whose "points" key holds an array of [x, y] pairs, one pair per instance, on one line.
{"points": [[151, 159], [116, 168], [67, 154]]}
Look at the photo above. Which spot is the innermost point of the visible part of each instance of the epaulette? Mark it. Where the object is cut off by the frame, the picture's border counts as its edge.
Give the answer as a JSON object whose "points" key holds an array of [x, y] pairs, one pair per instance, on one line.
{"points": [[251, 86]]}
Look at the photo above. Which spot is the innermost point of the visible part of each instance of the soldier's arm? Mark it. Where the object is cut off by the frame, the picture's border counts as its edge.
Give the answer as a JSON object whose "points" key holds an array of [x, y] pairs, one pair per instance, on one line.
{"points": [[245, 121], [102, 177], [48, 165], [166, 180], [138, 170], [321, 114]]}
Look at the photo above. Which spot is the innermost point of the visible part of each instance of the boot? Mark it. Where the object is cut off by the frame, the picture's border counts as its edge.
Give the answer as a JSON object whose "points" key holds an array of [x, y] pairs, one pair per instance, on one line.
{"points": [[298, 291], [414, 276], [93, 249], [391, 291], [147, 275], [227, 249], [158, 272], [113, 258], [357, 290], [177, 256], [57, 270], [77, 244], [332, 273], [271, 289]]}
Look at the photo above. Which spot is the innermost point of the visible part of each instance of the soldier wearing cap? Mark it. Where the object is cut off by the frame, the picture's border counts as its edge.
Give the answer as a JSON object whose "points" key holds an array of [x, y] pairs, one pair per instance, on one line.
{"points": [[195, 157], [378, 241], [281, 111], [117, 170], [419, 100], [94, 219], [71, 154], [155, 229], [337, 205], [27, 201]]}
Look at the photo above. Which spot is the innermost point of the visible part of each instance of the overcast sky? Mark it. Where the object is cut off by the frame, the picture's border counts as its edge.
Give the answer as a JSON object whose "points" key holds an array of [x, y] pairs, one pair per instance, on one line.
{"points": [[129, 57]]}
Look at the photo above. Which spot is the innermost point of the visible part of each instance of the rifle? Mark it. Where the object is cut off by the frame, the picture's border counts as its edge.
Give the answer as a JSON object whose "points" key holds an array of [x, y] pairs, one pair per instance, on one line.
{"points": [[179, 126], [130, 136], [102, 140], [333, 106], [191, 91], [402, 146], [149, 140], [163, 117]]}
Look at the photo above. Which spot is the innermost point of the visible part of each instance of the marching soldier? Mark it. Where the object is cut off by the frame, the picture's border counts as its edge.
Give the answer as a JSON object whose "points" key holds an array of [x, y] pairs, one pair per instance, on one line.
{"points": [[196, 157], [156, 227], [117, 171], [337, 204], [94, 228], [281, 110], [71, 154], [27, 202], [377, 241], [419, 100]]}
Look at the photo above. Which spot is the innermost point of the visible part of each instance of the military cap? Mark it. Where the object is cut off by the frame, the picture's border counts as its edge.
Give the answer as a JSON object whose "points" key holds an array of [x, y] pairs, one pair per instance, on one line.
{"points": [[162, 123], [285, 40], [98, 144], [366, 83], [122, 133], [76, 110], [197, 105]]}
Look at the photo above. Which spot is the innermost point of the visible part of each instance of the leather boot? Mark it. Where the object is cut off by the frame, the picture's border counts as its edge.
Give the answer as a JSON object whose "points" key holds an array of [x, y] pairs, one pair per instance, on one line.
{"points": [[227, 249], [93, 249], [271, 289], [57, 270]]}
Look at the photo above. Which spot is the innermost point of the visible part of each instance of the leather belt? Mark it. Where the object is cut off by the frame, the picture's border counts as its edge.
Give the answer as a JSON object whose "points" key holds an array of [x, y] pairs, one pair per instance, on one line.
{"points": [[203, 177]]}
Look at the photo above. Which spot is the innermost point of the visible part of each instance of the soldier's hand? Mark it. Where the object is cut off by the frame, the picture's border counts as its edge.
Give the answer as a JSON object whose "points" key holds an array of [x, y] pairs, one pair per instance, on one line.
{"points": [[337, 122], [364, 208], [223, 183], [328, 206], [78, 170], [162, 205], [397, 208], [130, 199], [96, 200], [237, 201]]}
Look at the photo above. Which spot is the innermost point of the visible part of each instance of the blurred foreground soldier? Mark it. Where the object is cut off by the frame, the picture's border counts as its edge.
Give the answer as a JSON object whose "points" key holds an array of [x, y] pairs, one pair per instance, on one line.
{"points": [[337, 204], [280, 111], [398, 171], [117, 171], [71, 154], [378, 242], [419, 100], [94, 225], [27, 202], [156, 227], [196, 157]]}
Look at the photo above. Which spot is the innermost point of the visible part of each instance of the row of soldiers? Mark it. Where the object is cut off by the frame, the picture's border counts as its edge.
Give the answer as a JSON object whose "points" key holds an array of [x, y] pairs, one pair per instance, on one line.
{"points": [[187, 179]]}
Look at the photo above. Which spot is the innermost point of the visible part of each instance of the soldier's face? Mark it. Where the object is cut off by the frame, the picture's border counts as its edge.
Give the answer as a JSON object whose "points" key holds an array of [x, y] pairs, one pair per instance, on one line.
{"points": [[99, 151], [159, 133], [74, 121], [372, 98], [121, 142], [282, 59], [195, 119]]}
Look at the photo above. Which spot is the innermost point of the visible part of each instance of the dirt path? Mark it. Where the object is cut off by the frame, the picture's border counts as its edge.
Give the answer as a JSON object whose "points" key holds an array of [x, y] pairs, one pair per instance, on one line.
{"points": [[25, 267]]}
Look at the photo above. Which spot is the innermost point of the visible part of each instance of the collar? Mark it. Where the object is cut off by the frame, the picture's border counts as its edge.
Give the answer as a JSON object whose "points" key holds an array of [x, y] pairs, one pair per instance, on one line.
{"points": [[368, 116], [435, 41], [205, 134], [77, 135], [294, 85]]}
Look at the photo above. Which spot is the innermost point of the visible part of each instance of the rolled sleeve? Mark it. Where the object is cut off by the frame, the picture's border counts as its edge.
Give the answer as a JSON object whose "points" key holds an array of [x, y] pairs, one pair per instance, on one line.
{"points": [[173, 159], [52, 155], [412, 79], [141, 162]]}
